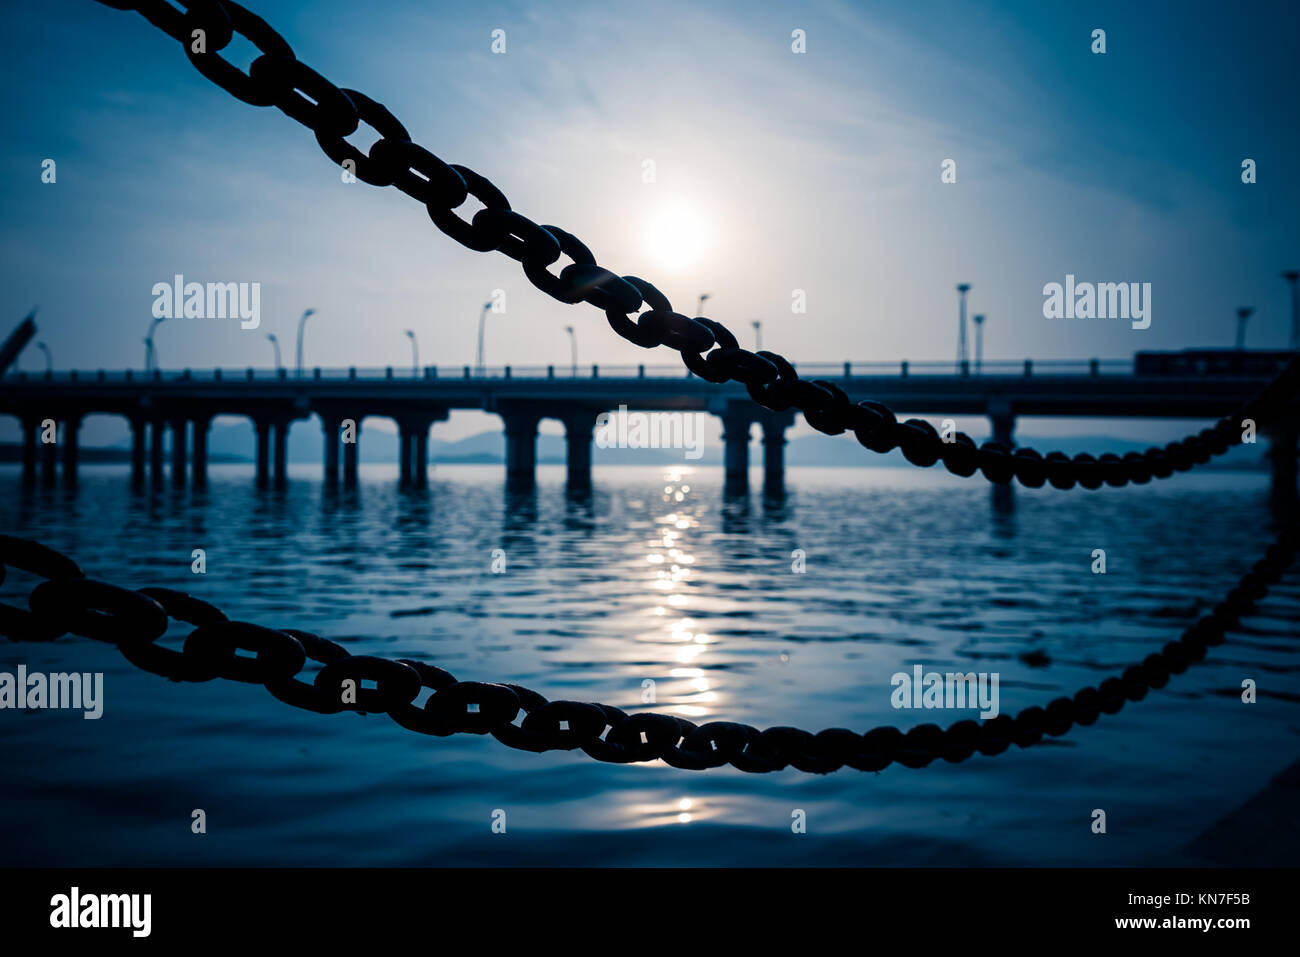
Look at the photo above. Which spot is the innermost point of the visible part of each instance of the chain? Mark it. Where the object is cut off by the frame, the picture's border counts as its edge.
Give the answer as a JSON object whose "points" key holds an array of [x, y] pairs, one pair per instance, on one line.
{"points": [[67, 601], [277, 78]]}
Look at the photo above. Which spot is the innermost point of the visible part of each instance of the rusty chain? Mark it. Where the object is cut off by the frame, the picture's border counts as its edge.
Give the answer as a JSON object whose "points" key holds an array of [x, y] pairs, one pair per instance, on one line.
{"points": [[67, 601], [278, 78]]}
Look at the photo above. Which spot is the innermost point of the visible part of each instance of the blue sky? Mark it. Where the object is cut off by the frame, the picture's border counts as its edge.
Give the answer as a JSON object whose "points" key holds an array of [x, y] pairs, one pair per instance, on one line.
{"points": [[817, 171]]}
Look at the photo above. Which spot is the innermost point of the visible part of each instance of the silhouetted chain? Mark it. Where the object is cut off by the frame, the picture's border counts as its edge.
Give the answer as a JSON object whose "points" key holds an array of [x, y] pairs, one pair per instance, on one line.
{"points": [[277, 78], [133, 621]]}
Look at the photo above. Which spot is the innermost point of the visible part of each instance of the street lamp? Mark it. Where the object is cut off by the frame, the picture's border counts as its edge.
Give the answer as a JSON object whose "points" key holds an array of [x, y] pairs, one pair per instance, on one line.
{"points": [[275, 342], [979, 342], [1291, 276], [415, 353], [573, 343], [302, 322], [699, 308], [49, 362], [482, 316], [1243, 313], [758, 335], [151, 351], [962, 356]]}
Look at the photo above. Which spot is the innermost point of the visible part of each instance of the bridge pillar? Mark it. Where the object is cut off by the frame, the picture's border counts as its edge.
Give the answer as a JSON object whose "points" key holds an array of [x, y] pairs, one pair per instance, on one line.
{"points": [[578, 426], [1004, 422], [282, 453], [351, 452], [139, 438], [156, 452], [1004, 427], [420, 459], [1282, 449], [199, 460], [263, 469], [405, 444], [30, 428], [735, 442], [774, 426], [71, 428], [49, 459], [178, 452], [521, 447], [414, 445], [330, 425]]}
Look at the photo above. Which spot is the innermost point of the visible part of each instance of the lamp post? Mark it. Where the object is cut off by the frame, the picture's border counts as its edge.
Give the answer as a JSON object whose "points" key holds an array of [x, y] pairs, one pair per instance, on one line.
{"points": [[699, 307], [150, 350], [979, 342], [1291, 276], [415, 353], [573, 348], [275, 342], [1243, 313], [49, 362], [301, 323], [482, 317], [962, 356]]}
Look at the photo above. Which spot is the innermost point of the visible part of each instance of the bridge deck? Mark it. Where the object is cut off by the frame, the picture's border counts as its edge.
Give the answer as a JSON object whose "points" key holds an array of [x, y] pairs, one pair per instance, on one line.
{"points": [[1045, 390]]}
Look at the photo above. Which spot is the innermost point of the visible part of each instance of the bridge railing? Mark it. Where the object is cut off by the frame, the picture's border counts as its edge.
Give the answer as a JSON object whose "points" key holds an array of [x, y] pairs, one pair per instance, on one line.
{"points": [[816, 370]]}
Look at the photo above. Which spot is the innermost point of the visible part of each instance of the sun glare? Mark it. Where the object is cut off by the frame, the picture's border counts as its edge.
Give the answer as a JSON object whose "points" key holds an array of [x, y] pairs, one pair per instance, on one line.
{"points": [[677, 237]]}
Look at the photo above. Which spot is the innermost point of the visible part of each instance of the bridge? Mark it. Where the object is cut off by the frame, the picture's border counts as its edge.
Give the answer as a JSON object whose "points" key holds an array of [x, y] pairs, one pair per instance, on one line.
{"points": [[186, 401]]}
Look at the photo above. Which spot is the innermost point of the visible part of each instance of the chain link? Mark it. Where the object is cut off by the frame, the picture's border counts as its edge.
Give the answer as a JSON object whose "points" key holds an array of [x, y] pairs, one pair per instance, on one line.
{"points": [[277, 78], [67, 601]]}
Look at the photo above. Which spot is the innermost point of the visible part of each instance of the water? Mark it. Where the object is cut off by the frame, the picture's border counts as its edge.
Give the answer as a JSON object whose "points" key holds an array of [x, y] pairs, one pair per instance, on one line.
{"points": [[903, 567]]}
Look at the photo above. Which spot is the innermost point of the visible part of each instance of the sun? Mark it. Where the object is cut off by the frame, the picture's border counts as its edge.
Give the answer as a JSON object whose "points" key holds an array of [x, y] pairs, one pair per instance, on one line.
{"points": [[677, 237]]}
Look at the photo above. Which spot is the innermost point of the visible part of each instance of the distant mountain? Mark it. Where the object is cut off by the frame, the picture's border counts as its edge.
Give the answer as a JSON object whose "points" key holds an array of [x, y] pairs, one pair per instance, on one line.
{"points": [[306, 445]]}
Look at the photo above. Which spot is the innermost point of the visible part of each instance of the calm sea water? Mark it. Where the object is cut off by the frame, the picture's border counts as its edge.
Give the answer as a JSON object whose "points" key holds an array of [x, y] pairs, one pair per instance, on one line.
{"points": [[655, 576]]}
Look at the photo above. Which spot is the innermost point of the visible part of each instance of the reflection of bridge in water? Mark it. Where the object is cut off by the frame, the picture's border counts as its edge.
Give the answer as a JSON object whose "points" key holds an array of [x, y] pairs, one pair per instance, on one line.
{"points": [[186, 402]]}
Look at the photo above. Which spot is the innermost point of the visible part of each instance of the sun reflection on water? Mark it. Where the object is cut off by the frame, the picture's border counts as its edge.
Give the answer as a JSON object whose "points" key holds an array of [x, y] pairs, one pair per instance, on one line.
{"points": [[670, 813], [692, 691]]}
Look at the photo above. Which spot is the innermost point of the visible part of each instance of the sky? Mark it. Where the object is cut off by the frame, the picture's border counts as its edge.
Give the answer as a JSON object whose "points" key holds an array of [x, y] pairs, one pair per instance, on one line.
{"points": [[775, 171]]}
